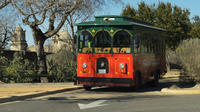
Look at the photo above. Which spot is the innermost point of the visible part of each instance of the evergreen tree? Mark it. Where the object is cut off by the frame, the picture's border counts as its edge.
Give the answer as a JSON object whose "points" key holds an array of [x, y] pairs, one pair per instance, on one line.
{"points": [[195, 27], [173, 18], [129, 11], [146, 13]]}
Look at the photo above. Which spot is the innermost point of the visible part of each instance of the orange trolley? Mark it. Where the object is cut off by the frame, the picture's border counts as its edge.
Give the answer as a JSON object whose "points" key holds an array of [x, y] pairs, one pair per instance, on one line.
{"points": [[119, 51]]}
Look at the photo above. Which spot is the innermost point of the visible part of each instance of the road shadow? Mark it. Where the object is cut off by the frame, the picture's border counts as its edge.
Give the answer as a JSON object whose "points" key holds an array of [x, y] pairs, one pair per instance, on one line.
{"points": [[25, 97], [148, 87], [124, 98]]}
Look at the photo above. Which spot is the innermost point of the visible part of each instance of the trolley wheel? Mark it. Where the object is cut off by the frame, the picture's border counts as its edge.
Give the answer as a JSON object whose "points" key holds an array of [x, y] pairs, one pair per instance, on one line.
{"points": [[87, 88], [156, 79], [138, 81]]}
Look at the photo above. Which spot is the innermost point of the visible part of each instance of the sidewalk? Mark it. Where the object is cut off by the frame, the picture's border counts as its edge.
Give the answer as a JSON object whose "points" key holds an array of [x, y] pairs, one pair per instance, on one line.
{"points": [[178, 89], [181, 91], [21, 91]]}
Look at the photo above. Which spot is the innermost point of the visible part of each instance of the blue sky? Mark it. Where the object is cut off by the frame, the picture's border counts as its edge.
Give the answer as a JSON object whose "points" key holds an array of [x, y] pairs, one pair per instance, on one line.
{"points": [[113, 9], [192, 5]]}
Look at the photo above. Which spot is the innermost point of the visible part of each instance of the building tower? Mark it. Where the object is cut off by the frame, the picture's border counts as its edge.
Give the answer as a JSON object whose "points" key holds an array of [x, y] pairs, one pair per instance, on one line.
{"points": [[18, 41]]}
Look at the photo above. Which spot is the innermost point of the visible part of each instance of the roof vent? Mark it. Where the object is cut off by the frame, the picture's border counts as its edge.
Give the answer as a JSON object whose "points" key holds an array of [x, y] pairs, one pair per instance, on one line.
{"points": [[108, 19]]}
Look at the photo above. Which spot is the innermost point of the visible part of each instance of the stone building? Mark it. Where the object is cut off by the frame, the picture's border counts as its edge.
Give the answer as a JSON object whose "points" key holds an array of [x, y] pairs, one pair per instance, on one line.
{"points": [[47, 48], [62, 41], [18, 41]]}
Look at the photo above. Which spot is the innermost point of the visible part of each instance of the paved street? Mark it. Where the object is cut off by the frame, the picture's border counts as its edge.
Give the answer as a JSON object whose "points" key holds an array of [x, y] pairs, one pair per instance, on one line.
{"points": [[107, 100]]}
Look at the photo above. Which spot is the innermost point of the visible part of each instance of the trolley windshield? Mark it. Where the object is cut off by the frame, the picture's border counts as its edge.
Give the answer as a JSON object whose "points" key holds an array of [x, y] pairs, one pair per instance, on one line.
{"points": [[102, 42]]}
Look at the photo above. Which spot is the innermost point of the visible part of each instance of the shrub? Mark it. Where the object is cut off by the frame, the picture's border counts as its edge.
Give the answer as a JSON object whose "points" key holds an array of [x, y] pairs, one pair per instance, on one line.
{"points": [[4, 62], [61, 66], [172, 60], [18, 69], [188, 54]]}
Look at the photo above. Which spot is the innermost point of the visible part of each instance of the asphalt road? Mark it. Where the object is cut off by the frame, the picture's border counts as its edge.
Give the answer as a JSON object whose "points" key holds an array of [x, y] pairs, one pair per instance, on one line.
{"points": [[109, 100], [106, 100]]}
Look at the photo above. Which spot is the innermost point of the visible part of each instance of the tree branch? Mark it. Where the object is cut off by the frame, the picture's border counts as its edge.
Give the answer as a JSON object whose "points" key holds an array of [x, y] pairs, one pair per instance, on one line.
{"points": [[27, 16], [19, 9], [43, 18], [64, 18], [52, 19], [44, 13], [4, 4], [26, 21], [29, 5], [5, 36]]}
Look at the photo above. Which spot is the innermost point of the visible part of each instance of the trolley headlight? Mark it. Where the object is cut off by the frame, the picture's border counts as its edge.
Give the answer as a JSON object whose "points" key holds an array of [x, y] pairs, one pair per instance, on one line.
{"points": [[84, 65], [127, 51], [122, 66]]}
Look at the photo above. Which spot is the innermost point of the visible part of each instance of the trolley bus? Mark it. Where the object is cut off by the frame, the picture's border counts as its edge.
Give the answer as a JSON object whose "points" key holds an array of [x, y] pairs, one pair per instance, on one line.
{"points": [[119, 51]]}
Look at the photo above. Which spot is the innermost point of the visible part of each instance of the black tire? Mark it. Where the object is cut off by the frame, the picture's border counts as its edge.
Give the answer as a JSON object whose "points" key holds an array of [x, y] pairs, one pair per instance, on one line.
{"points": [[138, 81], [87, 88], [156, 79]]}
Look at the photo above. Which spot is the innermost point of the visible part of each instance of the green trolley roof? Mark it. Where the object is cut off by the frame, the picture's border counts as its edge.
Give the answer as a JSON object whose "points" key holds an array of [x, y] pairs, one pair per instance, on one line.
{"points": [[115, 20]]}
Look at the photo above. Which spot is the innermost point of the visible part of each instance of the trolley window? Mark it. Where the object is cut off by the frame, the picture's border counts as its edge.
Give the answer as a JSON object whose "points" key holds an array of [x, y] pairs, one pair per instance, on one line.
{"points": [[121, 42], [85, 41], [102, 41]]}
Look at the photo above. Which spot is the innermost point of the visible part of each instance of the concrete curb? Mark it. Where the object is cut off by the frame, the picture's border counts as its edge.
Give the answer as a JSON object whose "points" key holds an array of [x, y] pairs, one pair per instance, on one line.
{"points": [[180, 91], [36, 94]]}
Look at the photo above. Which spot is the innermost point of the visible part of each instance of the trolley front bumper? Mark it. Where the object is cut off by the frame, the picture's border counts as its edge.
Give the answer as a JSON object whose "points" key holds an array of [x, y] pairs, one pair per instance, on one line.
{"points": [[96, 81]]}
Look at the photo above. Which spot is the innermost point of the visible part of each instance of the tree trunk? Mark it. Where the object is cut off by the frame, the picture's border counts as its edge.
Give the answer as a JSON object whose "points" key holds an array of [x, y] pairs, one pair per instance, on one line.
{"points": [[39, 40], [41, 55]]}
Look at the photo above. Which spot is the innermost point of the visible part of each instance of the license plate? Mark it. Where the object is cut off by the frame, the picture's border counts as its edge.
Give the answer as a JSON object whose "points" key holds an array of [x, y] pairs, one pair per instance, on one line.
{"points": [[102, 71]]}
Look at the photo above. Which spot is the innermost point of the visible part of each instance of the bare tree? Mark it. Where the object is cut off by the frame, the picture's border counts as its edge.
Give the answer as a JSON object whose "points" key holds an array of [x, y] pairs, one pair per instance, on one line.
{"points": [[51, 13], [6, 23], [6, 30], [38, 12], [5, 35]]}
